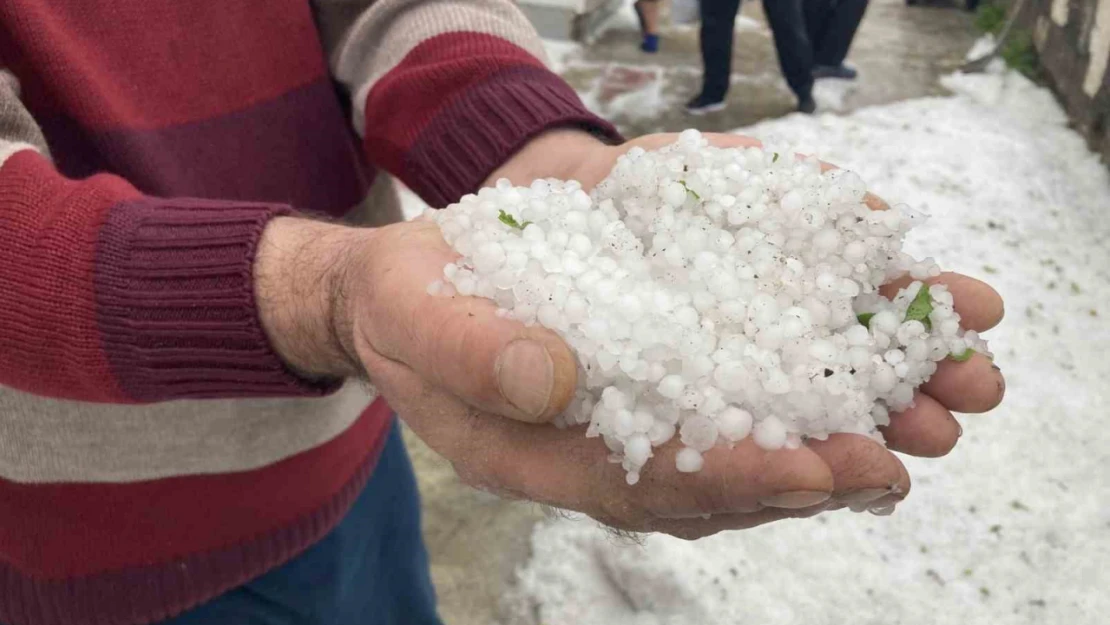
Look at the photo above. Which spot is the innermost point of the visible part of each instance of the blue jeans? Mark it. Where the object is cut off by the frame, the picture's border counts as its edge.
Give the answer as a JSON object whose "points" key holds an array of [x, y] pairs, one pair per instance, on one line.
{"points": [[372, 569]]}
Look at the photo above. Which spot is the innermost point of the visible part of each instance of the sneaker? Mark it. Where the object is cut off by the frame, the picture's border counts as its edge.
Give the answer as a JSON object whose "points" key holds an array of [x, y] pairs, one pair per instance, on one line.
{"points": [[841, 71], [650, 44], [702, 105], [807, 105]]}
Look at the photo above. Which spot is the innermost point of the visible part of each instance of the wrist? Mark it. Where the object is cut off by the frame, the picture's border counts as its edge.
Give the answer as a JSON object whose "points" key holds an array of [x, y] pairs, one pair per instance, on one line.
{"points": [[300, 280], [557, 153]]}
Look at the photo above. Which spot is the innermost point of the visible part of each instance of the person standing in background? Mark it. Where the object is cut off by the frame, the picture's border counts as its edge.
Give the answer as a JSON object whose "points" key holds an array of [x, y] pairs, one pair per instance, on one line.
{"points": [[648, 13], [718, 21], [832, 26], [812, 38]]}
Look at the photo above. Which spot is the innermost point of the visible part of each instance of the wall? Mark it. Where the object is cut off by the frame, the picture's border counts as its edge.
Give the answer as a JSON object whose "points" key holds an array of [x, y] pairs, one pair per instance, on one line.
{"points": [[567, 19], [1072, 38]]}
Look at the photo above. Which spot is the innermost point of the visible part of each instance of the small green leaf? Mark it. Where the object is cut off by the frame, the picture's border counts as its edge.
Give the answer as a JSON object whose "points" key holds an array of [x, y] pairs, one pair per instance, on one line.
{"points": [[509, 220], [964, 357], [775, 158], [920, 307], [689, 190], [865, 319]]}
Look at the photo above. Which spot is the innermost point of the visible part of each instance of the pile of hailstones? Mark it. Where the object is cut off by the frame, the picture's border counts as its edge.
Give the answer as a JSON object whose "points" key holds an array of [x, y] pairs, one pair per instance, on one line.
{"points": [[716, 293]]}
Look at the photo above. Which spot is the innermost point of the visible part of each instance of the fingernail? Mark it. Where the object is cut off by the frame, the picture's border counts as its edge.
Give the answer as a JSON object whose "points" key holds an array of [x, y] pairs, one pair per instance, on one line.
{"points": [[863, 495], [959, 430], [795, 499], [525, 375], [882, 510]]}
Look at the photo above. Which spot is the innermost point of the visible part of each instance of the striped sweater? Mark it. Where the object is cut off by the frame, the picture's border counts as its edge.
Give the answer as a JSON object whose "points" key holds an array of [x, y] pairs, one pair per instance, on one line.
{"points": [[154, 451]]}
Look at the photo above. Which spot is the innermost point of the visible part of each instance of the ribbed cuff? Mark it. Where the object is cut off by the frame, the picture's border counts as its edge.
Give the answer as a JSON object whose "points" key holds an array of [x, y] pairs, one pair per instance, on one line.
{"points": [[481, 129], [174, 286]]}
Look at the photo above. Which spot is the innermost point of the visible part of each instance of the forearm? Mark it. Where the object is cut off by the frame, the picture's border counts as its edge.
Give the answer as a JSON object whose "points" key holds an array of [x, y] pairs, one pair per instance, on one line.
{"points": [[110, 296], [301, 274]]}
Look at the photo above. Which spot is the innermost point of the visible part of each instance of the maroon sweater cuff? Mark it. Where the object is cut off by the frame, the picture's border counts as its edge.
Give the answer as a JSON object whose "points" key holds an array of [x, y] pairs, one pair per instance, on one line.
{"points": [[174, 284], [483, 127]]}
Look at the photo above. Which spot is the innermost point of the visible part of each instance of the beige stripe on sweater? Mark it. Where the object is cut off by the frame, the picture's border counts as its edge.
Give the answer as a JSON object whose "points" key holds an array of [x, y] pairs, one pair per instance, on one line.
{"points": [[50, 440], [376, 41], [18, 131]]}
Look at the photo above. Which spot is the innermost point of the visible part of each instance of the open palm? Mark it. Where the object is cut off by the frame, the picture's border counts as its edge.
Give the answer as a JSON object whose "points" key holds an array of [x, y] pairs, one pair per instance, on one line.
{"points": [[441, 364]]}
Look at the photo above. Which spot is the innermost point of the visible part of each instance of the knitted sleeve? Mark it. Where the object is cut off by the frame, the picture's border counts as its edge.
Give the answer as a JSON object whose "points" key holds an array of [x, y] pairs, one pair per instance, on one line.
{"points": [[445, 91], [108, 295]]}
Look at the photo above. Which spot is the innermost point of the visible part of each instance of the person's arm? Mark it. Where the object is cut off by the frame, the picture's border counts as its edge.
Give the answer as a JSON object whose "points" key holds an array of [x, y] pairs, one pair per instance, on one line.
{"points": [[444, 92], [108, 295]]}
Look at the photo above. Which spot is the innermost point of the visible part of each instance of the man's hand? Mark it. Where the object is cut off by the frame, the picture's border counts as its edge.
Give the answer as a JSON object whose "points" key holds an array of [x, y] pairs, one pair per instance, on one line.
{"points": [[479, 389]]}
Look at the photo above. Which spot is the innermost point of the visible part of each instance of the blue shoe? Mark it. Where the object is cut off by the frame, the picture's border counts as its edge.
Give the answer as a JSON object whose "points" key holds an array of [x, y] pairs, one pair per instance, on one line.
{"points": [[650, 44]]}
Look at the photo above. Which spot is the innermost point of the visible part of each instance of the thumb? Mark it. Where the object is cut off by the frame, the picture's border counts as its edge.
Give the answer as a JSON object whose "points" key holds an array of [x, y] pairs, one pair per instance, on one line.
{"points": [[458, 343]]}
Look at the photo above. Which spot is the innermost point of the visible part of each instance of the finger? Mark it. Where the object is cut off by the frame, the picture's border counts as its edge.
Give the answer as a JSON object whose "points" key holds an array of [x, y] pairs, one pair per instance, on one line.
{"points": [[744, 478], [863, 470], [973, 386], [498, 365], [726, 141], [664, 139], [927, 429], [980, 307], [872, 201], [696, 528], [562, 467]]}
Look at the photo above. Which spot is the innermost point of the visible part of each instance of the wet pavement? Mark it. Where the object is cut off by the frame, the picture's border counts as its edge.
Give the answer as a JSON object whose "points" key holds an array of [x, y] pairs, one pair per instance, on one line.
{"points": [[477, 540], [899, 51]]}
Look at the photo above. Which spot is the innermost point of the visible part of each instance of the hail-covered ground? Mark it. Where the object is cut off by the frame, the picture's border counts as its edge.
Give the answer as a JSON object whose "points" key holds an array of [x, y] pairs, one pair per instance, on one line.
{"points": [[1014, 525]]}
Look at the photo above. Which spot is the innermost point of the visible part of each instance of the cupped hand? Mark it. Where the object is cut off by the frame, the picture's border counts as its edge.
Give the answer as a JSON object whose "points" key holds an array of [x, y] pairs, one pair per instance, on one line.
{"points": [[479, 389]]}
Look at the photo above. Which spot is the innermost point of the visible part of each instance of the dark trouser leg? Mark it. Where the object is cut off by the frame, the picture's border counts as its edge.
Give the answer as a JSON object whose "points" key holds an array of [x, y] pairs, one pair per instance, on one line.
{"points": [[788, 24], [817, 15], [372, 569], [840, 28], [718, 21]]}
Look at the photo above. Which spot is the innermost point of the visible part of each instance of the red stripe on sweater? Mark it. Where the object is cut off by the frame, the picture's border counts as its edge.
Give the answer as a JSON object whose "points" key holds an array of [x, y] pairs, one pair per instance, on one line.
{"points": [[150, 63], [49, 228], [406, 99], [53, 531], [297, 148]]}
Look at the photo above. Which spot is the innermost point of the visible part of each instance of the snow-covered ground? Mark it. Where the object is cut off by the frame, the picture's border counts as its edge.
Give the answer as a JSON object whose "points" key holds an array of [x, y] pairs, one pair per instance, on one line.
{"points": [[1014, 525]]}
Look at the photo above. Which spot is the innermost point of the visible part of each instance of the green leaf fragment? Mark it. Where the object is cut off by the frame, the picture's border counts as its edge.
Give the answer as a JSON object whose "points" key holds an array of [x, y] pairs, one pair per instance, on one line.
{"points": [[964, 357], [920, 307], [775, 158], [689, 190], [865, 319], [510, 221]]}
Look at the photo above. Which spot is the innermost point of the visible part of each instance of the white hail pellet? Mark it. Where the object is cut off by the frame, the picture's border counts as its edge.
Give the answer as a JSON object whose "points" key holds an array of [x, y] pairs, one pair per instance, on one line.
{"points": [[711, 295]]}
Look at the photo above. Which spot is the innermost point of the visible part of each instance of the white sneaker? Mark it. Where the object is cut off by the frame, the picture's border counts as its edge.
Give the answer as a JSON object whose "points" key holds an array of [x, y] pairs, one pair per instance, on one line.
{"points": [[702, 106]]}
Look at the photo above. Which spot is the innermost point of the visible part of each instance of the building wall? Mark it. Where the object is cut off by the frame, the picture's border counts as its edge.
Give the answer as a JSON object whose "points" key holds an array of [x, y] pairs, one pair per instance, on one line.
{"points": [[1072, 38], [567, 19]]}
